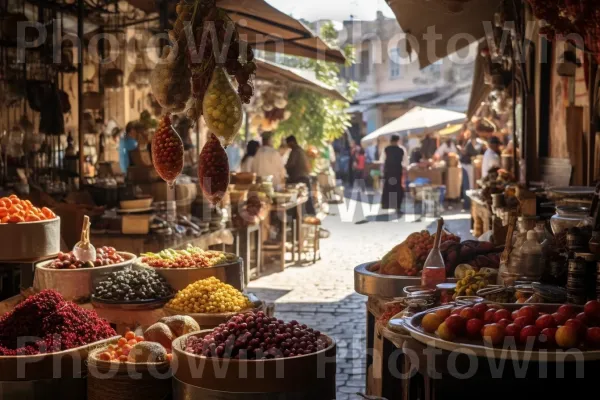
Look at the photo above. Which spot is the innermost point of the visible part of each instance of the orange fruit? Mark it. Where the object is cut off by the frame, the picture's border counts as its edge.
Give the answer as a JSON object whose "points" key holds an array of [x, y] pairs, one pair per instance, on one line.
{"points": [[431, 322], [48, 213]]}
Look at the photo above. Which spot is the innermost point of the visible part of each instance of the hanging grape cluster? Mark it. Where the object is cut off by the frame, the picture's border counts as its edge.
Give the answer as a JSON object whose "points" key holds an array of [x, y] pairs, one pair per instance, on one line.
{"points": [[568, 17]]}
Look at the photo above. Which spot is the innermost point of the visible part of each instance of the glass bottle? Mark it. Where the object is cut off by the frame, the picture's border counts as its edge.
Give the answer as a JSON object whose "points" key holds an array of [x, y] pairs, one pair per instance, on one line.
{"points": [[434, 269]]}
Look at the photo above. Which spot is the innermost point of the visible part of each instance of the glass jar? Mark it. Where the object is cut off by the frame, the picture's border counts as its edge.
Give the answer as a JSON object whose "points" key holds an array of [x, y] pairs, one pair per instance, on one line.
{"points": [[567, 217], [446, 292], [548, 294]]}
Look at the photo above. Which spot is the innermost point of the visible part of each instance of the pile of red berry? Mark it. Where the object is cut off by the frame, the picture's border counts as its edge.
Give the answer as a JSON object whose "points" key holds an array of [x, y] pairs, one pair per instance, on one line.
{"points": [[104, 256], [255, 336]]}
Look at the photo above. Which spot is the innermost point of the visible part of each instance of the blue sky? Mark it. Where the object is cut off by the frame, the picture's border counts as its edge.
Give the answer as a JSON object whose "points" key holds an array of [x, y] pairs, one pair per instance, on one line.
{"points": [[337, 10]]}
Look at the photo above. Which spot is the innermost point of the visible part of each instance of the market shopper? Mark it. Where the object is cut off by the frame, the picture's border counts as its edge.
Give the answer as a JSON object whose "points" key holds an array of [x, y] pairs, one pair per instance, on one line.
{"points": [[234, 155], [248, 160], [393, 193], [491, 158], [127, 143], [428, 146], [470, 150], [298, 169], [268, 161], [445, 149]]}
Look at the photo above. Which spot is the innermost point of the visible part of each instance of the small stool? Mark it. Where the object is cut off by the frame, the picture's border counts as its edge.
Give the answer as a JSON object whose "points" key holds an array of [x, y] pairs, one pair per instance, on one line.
{"points": [[312, 235]]}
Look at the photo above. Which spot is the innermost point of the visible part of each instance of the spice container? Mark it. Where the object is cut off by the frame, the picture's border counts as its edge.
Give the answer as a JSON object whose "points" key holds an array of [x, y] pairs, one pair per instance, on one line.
{"points": [[445, 292], [556, 273], [568, 217], [523, 292], [420, 292]]}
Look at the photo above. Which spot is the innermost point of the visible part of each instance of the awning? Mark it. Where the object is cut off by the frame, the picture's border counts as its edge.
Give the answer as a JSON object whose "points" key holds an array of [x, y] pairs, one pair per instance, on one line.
{"points": [[416, 121], [267, 28], [450, 130], [459, 22], [480, 90], [396, 97], [269, 71]]}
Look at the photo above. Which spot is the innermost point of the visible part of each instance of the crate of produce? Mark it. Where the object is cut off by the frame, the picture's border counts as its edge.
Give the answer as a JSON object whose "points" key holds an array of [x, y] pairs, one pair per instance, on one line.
{"points": [[74, 279]]}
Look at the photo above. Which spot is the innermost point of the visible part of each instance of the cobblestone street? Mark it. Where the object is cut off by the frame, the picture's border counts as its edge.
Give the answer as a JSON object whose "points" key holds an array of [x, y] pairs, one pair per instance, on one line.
{"points": [[322, 295]]}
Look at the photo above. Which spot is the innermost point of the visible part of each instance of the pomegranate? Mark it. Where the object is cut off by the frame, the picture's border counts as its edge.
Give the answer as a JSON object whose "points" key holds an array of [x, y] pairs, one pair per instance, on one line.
{"points": [[213, 170], [167, 151]]}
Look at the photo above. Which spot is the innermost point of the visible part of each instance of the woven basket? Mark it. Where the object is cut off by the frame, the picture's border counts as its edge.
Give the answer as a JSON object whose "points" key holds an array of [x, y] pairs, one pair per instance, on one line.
{"points": [[132, 381]]}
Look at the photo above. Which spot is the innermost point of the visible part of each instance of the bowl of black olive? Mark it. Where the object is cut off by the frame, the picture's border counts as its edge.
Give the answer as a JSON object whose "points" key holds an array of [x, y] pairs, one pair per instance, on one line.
{"points": [[141, 287]]}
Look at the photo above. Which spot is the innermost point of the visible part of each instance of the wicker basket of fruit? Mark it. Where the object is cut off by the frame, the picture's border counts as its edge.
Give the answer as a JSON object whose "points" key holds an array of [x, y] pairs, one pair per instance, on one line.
{"points": [[182, 267], [249, 367], [27, 232], [75, 279], [131, 368]]}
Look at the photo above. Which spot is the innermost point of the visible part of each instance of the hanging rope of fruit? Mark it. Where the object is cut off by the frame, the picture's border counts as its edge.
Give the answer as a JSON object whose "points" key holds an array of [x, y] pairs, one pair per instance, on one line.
{"points": [[194, 77], [569, 18]]}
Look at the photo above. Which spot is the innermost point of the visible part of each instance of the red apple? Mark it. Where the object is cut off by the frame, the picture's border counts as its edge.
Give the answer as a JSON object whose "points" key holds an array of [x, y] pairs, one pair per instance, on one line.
{"points": [[521, 321], [468, 313], [515, 314], [456, 324], [545, 321], [567, 310], [513, 330], [474, 327], [560, 319], [504, 322], [592, 337], [457, 310], [493, 334], [530, 313], [529, 333], [592, 309], [566, 337], [480, 309], [501, 314], [488, 317], [584, 318], [579, 327], [548, 337]]}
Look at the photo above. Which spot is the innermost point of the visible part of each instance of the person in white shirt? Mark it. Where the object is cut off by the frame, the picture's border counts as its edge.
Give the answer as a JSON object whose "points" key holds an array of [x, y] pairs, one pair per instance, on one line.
{"points": [[491, 157], [248, 160], [446, 148], [268, 161]]}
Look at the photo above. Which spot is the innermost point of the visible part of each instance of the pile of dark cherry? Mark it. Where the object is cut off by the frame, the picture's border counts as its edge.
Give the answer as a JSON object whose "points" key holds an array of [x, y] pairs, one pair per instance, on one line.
{"points": [[104, 256], [255, 336]]}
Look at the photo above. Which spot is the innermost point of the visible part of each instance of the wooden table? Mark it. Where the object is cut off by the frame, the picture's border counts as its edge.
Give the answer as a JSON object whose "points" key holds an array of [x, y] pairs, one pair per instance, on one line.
{"points": [[138, 244], [298, 236], [243, 246], [480, 212]]}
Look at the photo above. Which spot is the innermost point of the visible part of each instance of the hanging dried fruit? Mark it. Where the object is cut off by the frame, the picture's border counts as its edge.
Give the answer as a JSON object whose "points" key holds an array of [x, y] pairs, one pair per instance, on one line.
{"points": [[222, 108], [213, 170], [167, 151]]}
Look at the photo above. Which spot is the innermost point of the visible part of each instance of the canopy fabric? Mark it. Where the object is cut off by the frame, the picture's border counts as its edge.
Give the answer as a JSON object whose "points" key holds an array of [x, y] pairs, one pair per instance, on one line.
{"points": [[480, 90], [459, 22], [416, 121], [450, 130], [267, 28], [269, 71]]}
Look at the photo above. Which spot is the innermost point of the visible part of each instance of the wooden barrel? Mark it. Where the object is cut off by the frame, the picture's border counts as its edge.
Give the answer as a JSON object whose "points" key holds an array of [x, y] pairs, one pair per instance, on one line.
{"points": [[59, 375], [304, 377], [29, 240], [179, 278], [75, 284], [134, 381]]}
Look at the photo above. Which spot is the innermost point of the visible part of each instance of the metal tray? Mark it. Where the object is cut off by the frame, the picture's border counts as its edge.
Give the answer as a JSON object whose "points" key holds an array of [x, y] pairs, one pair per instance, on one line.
{"points": [[376, 284], [474, 348], [388, 286]]}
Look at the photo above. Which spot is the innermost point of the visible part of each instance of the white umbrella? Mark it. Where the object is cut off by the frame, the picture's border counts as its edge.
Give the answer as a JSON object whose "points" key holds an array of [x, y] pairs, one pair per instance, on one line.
{"points": [[416, 121]]}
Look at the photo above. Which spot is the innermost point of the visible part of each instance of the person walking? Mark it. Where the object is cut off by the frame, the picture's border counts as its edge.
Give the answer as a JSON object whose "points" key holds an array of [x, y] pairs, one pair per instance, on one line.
{"points": [[491, 157], [298, 169], [393, 192], [248, 159]]}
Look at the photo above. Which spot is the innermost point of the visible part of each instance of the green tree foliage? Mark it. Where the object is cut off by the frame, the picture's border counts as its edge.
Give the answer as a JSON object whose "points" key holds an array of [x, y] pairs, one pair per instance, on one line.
{"points": [[316, 118]]}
